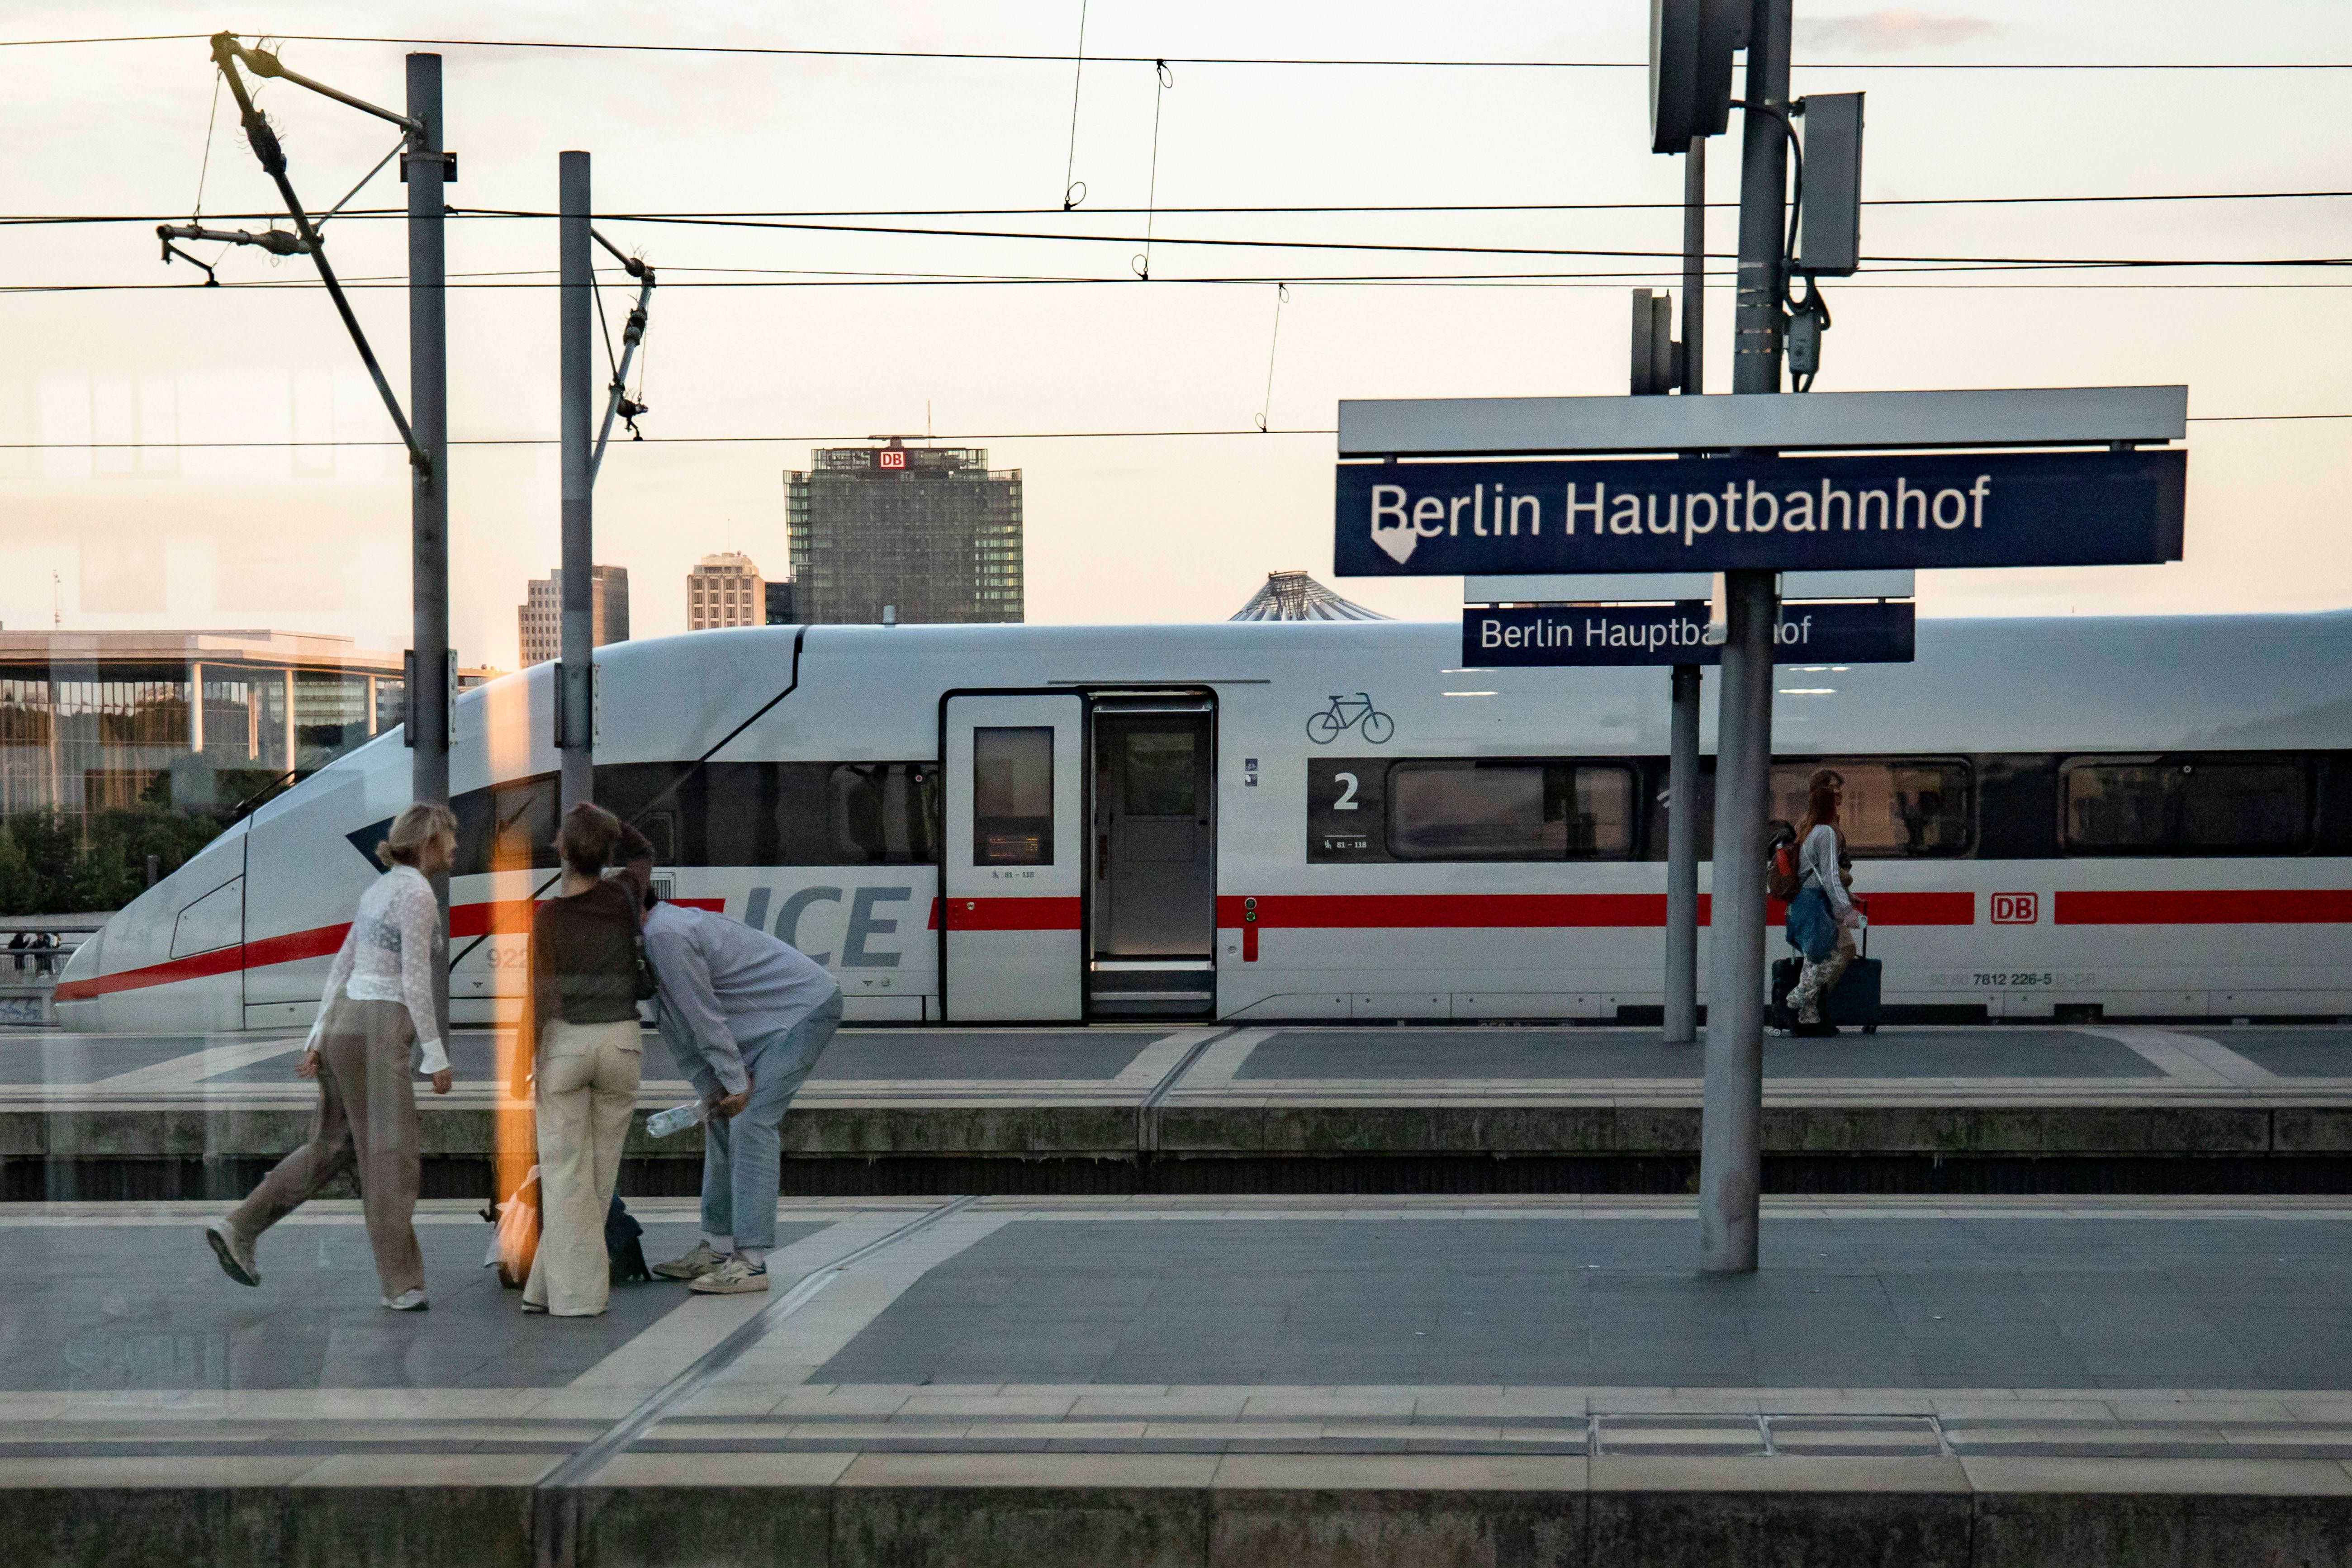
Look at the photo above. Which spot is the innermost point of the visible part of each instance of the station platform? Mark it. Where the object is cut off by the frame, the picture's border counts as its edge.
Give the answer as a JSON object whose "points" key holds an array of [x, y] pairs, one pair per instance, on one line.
{"points": [[1139, 1108], [1165, 1381]]}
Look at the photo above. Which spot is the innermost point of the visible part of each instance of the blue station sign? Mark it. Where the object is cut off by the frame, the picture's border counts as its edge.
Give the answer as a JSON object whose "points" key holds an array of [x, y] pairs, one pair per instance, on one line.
{"points": [[1717, 514], [1555, 635]]}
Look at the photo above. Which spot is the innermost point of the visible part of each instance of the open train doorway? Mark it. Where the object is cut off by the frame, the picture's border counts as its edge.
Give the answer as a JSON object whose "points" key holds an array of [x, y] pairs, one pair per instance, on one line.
{"points": [[1152, 904]]}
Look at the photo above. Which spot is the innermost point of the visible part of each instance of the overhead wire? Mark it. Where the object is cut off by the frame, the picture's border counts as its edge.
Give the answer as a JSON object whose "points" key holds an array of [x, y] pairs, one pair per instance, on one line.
{"points": [[1039, 58], [491, 441]]}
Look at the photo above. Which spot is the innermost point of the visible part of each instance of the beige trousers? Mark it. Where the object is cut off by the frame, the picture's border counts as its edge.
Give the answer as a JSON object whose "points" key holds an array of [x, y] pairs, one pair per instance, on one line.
{"points": [[587, 1076], [367, 1116]]}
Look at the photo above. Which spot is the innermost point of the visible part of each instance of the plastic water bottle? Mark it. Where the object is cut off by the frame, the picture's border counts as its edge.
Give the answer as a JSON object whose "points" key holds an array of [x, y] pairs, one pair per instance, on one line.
{"points": [[676, 1118]]}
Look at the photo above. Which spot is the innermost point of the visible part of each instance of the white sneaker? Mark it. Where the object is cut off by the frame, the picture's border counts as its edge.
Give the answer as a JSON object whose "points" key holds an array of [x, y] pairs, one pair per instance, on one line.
{"points": [[731, 1278], [235, 1253], [408, 1301], [703, 1259]]}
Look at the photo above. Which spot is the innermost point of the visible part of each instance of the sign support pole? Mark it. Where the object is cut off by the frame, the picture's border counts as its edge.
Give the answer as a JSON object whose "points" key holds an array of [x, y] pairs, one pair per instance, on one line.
{"points": [[1682, 862], [1731, 1166], [1682, 766], [429, 697], [574, 719]]}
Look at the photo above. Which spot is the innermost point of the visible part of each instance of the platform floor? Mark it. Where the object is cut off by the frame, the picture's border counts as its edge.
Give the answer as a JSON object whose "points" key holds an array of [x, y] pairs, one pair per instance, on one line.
{"points": [[1137, 1064], [2170, 1328]]}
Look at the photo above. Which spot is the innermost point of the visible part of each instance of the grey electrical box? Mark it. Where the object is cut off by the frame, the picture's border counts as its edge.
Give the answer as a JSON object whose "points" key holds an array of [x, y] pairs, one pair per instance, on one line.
{"points": [[1829, 238], [1657, 358], [1691, 45]]}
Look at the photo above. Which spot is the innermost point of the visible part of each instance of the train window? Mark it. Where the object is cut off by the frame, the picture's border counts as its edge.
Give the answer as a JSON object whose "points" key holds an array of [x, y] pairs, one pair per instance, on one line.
{"points": [[1474, 809], [508, 827], [2187, 805], [1893, 808], [1013, 794], [779, 814], [1161, 777], [883, 814]]}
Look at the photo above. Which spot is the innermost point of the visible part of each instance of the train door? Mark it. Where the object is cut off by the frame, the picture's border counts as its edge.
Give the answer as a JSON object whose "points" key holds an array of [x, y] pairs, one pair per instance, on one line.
{"points": [[1013, 857], [1152, 905]]}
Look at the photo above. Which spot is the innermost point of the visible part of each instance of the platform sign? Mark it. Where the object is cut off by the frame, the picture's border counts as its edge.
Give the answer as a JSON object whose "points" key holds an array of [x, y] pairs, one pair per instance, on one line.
{"points": [[1557, 634], [1717, 514]]}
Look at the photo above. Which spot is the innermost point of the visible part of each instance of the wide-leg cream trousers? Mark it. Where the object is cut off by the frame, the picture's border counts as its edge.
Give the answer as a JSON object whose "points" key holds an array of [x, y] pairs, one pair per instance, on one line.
{"points": [[586, 1086]]}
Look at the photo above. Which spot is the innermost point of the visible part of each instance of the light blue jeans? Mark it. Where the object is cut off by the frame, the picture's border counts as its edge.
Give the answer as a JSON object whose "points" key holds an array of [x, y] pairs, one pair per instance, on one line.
{"points": [[743, 1157]]}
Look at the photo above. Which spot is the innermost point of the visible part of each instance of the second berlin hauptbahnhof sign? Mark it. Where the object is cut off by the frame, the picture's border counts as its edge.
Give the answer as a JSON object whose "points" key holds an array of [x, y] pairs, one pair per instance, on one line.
{"points": [[1551, 634], [1717, 514]]}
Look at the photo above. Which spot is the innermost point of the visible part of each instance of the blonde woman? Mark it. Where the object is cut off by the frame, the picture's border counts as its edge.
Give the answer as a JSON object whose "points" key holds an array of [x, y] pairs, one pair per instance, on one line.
{"points": [[579, 1041], [377, 1028]]}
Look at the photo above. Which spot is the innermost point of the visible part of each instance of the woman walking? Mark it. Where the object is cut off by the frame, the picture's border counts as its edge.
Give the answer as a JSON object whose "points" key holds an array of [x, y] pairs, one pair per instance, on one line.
{"points": [[579, 1041], [1821, 917], [378, 1026]]}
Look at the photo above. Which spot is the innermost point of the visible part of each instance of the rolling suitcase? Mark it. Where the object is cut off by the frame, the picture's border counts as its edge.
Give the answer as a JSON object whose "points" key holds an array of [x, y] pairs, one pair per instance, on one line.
{"points": [[1852, 1002]]}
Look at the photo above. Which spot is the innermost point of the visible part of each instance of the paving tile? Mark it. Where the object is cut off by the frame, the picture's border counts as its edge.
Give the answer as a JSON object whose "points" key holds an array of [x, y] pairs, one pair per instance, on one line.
{"points": [[1645, 1472], [2257, 1477], [429, 1470], [1404, 1472], [1030, 1470], [804, 1469]]}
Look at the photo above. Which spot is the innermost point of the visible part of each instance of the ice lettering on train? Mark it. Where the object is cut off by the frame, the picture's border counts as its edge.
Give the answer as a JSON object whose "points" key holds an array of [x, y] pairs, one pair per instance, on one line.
{"points": [[788, 920], [864, 923]]}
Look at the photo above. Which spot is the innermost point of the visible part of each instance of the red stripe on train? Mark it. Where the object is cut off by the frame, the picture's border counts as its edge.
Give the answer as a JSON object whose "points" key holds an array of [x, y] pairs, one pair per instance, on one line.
{"points": [[503, 917], [1497, 911], [1011, 914], [2204, 906]]}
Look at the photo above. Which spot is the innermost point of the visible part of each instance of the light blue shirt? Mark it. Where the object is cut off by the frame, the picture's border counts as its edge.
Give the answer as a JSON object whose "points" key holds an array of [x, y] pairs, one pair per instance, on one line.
{"points": [[722, 985]]}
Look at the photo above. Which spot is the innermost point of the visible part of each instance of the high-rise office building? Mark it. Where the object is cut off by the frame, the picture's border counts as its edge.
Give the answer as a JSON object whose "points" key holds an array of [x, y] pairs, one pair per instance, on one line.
{"points": [[930, 531], [779, 604], [725, 590], [541, 615]]}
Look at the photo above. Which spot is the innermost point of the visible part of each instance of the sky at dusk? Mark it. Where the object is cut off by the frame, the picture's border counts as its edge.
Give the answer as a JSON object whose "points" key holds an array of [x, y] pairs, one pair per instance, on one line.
{"points": [[754, 335]]}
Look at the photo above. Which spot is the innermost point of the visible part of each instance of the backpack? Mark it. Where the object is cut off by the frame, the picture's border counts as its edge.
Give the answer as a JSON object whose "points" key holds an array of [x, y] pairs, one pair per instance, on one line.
{"points": [[1782, 875]]}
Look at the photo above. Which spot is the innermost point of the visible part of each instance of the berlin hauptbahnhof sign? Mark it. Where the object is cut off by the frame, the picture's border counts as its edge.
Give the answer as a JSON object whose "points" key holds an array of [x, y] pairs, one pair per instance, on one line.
{"points": [[1553, 635], [1717, 514]]}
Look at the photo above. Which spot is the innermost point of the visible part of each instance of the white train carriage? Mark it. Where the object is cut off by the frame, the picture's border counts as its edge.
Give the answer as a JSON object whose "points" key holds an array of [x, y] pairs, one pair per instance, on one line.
{"points": [[2077, 819]]}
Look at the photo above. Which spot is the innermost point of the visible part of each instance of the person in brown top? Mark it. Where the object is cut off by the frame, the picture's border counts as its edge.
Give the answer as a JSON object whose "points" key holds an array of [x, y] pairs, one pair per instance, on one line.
{"points": [[579, 1041]]}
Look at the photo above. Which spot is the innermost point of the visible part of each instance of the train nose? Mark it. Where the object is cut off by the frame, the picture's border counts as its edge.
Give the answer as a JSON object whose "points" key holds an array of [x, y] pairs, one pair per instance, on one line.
{"points": [[169, 961]]}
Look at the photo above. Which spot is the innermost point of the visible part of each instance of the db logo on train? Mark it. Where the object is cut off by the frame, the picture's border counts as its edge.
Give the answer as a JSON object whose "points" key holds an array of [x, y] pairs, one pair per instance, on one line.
{"points": [[2016, 909]]}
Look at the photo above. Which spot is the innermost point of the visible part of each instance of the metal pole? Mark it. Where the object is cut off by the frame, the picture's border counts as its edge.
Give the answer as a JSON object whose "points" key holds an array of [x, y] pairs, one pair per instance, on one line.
{"points": [[1730, 1152], [1682, 774], [428, 407], [576, 714], [1695, 267], [1682, 862]]}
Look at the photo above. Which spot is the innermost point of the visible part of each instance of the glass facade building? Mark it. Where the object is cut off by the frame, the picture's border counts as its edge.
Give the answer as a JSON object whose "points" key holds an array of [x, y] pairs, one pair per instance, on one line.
{"points": [[931, 532], [102, 720]]}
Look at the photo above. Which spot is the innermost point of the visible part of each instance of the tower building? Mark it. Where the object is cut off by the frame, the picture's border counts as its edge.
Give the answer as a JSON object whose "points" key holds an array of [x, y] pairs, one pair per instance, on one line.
{"points": [[541, 615], [725, 590], [932, 530]]}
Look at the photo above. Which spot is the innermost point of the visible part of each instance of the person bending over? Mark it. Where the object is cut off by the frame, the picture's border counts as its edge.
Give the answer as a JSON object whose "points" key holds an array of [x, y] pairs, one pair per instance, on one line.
{"points": [[746, 1017]]}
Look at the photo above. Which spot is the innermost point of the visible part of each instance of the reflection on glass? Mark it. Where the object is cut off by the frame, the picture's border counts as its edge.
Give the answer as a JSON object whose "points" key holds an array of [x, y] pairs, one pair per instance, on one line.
{"points": [[1161, 777], [1889, 808], [2151, 805], [1013, 796], [1473, 810]]}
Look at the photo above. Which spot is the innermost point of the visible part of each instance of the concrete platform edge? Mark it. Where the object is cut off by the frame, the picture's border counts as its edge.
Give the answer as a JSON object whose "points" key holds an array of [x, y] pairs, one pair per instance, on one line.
{"points": [[847, 1510]]}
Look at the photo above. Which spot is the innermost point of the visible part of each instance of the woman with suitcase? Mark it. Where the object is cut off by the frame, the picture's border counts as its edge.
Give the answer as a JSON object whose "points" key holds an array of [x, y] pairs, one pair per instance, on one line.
{"points": [[1822, 916]]}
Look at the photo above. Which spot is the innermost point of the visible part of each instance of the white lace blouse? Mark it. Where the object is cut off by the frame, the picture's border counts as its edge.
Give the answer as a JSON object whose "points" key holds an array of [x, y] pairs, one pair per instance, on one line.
{"points": [[389, 955]]}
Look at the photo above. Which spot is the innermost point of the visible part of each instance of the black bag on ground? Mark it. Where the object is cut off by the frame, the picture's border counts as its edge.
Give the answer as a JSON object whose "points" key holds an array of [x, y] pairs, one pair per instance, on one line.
{"points": [[624, 1246]]}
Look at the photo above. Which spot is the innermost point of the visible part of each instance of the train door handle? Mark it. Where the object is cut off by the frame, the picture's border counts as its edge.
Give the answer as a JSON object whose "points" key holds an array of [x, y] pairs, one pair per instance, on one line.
{"points": [[1102, 856]]}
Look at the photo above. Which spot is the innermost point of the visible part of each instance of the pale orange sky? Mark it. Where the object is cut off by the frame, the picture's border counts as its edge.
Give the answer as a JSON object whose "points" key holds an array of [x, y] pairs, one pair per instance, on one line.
{"points": [[1127, 529]]}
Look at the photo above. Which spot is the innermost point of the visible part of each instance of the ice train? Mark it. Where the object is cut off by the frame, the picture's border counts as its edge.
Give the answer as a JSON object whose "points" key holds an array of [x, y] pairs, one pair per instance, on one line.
{"points": [[2075, 818]]}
